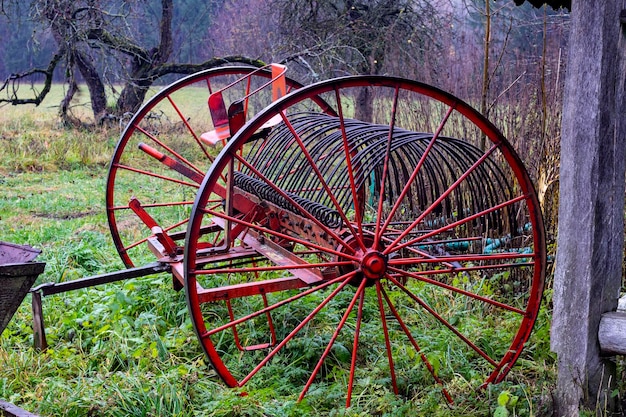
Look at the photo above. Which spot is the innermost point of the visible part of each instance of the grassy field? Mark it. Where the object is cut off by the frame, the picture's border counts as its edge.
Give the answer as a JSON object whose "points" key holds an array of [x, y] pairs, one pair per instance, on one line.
{"points": [[129, 348]]}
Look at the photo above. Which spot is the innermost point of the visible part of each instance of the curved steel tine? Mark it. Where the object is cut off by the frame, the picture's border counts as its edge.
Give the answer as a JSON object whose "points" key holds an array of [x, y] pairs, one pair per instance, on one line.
{"points": [[282, 162]]}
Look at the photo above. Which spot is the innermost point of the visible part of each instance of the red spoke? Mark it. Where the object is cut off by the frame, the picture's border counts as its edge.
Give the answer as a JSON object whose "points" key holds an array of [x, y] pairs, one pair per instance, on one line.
{"points": [[167, 229], [418, 252], [417, 168], [416, 347], [470, 294], [250, 316], [454, 185], [134, 244], [457, 269], [152, 174], [452, 225], [175, 225], [269, 268], [320, 177], [170, 150], [331, 342], [461, 258], [383, 320], [442, 320], [299, 327], [347, 151], [381, 198], [456, 240], [216, 204], [173, 203], [247, 95], [355, 347], [190, 129]]}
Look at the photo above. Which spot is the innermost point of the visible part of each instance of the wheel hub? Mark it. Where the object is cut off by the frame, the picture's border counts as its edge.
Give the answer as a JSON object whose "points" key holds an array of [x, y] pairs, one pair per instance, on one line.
{"points": [[371, 263], [374, 265]]}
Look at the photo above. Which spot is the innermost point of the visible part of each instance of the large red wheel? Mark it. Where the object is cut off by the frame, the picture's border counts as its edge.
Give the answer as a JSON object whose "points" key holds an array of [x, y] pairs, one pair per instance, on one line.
{"points": [[377, 247], [161, 157]]}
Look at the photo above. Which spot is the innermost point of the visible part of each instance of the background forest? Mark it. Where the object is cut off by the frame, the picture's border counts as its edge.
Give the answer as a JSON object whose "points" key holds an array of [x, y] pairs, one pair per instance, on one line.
{"points": [[102, 59], [506, 60]]}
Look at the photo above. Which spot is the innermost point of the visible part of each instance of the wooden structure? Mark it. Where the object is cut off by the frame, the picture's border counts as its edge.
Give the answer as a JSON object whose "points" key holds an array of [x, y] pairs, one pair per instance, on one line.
{"points": [[17, 275], [591, 215]]}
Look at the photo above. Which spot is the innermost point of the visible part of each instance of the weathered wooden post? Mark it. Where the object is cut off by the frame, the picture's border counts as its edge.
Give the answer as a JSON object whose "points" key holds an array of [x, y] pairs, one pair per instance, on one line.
{"points": [[591, 214]]}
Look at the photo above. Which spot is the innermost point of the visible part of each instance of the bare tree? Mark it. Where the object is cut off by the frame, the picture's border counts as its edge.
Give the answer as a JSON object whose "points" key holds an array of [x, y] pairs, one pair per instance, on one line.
{"points": [[352, 36], [330, 38], [106, 42]]}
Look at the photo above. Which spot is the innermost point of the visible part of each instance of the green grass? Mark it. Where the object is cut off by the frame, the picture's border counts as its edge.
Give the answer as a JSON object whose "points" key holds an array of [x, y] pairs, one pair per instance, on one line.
{"points": [[129, 348]]}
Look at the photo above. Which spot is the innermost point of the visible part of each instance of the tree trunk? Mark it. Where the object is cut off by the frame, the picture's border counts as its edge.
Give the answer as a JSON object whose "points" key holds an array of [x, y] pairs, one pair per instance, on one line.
{"points": [[144, 67], [484, 110], [94, 84], [363, 108], [364, 101], [134, 92]]}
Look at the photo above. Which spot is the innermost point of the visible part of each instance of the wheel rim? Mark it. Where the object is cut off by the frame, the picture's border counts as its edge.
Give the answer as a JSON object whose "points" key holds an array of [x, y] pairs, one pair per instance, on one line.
{"points": [[437, 239], [171, 122]]}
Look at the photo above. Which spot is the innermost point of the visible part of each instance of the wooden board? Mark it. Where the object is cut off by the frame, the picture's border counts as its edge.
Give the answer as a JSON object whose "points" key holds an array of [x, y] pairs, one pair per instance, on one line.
{"points": [[17, 276], [15, 282], [612, 333], [10, 410]]}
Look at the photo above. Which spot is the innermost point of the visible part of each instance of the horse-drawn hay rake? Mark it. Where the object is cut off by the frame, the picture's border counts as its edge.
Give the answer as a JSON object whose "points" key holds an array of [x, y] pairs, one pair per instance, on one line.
{"points": [[355, 219]]}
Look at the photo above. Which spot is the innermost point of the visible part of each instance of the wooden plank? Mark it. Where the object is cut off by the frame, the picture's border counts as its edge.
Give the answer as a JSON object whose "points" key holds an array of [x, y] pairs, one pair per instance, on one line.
{"points": [[11, 253], [39, 328], [588, 272], [10, 410], [15, 282], [612, 333]]}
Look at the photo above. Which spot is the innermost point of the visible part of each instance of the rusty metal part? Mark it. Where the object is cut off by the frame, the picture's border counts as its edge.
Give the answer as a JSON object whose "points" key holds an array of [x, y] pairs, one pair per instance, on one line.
{"points": [[324, 214], [77, 284]]}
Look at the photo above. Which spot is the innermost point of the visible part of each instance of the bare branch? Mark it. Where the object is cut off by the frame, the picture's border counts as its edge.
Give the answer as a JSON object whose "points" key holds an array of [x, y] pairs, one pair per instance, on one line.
{"points": [[166, 44], [117, 43], [211, 63], [12, 84]]}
